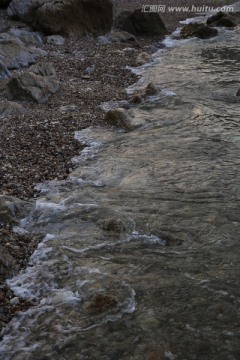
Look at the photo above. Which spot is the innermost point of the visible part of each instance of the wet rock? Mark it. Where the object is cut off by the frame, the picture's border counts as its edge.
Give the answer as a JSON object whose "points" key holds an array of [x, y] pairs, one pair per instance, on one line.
{"points": [[238, 92], [70, 18], [156, 355], [116, 37], [119, 118], [37, 84], [14, 54], [143, 58], [101, 303], [201, 31], [150, 90], [55, 40], [221, 19], [12, 209], [112, 225], [4, 72], [9, 108], [140, 23]]}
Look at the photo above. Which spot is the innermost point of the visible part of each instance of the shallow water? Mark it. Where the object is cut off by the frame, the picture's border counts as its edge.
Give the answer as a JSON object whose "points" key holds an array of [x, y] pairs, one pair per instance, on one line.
{"points": [[141, 254]]}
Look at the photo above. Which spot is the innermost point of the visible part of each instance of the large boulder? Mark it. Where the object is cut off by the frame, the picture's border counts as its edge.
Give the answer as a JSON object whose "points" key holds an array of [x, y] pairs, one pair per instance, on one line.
{"points": [[200, 31], [140, 23], [66, 17], [37, 84]]}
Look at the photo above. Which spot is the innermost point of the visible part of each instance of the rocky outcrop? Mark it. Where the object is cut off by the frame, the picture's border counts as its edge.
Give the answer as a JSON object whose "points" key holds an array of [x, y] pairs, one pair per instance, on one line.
{"points": [[221, 19], [14, 54], [140, 23], [65, 17], [37, 84], [200, 31]]}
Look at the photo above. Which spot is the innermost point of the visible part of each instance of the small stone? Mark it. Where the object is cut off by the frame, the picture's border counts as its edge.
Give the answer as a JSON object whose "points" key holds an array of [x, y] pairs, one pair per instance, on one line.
{"points": [[119, 118], [14, 301], [238, 92]]}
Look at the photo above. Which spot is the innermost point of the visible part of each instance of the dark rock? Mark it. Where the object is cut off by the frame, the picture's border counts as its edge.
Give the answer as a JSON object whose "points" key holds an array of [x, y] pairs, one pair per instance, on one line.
{"points": [[198, 30], [113, 225], [4, 4], [37, 84], [238, 92], [140, 23], [70, 18], [8, 265], [220, 19], [27, 36]]}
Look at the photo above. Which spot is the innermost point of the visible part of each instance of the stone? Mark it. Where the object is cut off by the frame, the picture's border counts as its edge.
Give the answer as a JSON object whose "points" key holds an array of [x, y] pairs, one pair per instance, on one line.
{"points": [[238, 92], [119, 118], [55, 40], [221, 19], [112, 225], [14, 54], [150, 90], [116, 37], [4, 72], [12, 209], [9, 108], [37, 84], [65, 17], [143, 58], [7, 264], [201, 31], [140, 23], [14, 301]]}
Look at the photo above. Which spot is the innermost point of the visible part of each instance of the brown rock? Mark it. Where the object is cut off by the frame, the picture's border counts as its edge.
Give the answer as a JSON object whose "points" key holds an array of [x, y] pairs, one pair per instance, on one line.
{"points": [[220, 19], [143, 58]]}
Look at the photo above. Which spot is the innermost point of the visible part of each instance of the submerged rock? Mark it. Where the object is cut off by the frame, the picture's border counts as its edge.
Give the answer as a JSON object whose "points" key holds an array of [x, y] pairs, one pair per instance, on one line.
{"points": [[37, 84], [101, 303], [140, 23], [201, 31]]}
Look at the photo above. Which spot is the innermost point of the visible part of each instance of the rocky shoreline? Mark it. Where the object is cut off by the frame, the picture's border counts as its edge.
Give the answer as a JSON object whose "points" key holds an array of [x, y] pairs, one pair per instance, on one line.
{"points": [[38, 144]]}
